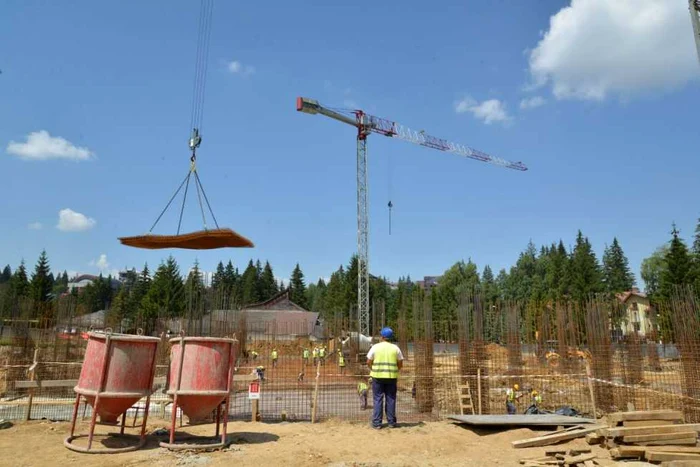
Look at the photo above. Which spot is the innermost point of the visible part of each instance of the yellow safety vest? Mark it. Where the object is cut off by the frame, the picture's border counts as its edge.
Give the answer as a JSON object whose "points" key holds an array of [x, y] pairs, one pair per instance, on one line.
{"points": [[341, 360], [361, 387], [385, 363], [510, 395], [315, 353], [274, 355], [322, 352], [306, 354]]}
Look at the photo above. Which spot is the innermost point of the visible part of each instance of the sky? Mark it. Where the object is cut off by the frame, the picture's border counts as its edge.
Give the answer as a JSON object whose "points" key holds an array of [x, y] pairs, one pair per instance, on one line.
{"points": [[599, 99]]}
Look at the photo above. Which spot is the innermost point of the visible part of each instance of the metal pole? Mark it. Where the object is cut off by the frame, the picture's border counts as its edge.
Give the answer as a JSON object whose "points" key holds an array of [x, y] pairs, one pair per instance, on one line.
{"points": [[694, 6], [362, 234]]}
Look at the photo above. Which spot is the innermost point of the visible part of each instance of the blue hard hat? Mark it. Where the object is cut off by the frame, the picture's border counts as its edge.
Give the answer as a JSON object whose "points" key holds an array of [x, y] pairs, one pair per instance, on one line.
{"points": [[387, 333]]}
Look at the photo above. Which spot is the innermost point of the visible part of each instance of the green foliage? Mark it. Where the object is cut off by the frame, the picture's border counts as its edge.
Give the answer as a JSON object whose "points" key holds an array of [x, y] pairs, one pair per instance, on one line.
{"points": [[316, 296], [696, 257], [617, 274], [165, 296], [584, 274], [678, 269], [19, 284], [297, 288], [653, 269], [335, 299], [267, 283], [460, 278], [6, 274], [194, 292], [41, 284], [250, 292]]}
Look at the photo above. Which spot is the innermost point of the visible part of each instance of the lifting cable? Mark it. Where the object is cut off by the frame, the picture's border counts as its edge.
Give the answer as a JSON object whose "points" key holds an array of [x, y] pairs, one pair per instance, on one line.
{"points": [[390, 205], [196, 117]]}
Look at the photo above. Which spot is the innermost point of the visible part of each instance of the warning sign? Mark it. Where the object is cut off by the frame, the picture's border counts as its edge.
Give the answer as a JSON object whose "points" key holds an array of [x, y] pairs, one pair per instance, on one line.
{"points": [[254, 390]]}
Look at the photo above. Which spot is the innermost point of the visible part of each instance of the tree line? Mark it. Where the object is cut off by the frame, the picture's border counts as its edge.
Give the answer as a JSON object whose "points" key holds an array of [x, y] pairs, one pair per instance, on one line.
{"points": [[541, 275]]}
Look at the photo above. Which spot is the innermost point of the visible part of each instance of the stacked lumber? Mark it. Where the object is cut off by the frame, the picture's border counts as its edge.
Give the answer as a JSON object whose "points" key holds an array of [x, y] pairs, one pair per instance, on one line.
{"points": [[567, 434], [654, 436], [565, 457]]}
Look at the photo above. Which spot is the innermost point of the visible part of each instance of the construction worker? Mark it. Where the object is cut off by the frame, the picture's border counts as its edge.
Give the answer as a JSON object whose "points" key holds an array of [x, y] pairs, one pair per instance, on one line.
{"points": [[315, 355], [274, 355], [305, 356], [385, 360], [511, 398], [260, 370], [362, 389], [341, 362], [536, 398], [322, 354], [300, 377], [254, 354]]}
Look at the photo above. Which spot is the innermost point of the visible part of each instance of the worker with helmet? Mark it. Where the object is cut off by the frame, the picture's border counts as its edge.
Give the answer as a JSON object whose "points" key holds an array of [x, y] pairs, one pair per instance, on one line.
{"points": [[260, 370], [341, 362], [536, 398], [322, 354], [385, 360], [362, 389], [315, 355], [511, 397], [274, 355], [305, 356]]}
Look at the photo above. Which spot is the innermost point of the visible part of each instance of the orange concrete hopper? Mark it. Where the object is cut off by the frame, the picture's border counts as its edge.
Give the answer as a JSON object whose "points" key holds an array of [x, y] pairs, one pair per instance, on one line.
{"points": [[199, 381], [117, 372]]}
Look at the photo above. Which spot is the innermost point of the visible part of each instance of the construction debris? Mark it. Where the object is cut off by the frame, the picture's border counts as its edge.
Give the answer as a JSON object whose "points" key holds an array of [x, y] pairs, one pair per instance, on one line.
{"points": [[556, 437], [564, 457]]}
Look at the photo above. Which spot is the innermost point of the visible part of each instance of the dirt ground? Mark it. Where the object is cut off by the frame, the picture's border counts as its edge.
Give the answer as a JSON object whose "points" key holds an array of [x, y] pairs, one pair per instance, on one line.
{"points": [[332, 443]]}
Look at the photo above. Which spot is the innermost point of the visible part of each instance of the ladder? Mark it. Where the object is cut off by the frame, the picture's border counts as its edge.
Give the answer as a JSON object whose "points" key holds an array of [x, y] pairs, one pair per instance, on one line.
{"points": [[465, 398]]}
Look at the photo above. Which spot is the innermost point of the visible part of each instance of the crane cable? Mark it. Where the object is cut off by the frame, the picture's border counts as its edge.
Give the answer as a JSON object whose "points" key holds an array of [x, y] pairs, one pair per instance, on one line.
{"points": [[196, 116], [390, 205]]}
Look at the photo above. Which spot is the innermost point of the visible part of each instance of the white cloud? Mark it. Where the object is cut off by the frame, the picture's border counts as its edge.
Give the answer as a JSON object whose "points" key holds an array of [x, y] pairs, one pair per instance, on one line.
{"points": [[42, 146], [71, 221], [594, 48], [237, 68], [101, 263], [532, 102], [489, 111], [35, 226]]}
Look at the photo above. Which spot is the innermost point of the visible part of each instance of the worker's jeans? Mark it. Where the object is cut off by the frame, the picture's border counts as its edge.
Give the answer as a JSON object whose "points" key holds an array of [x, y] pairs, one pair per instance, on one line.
{"points": [[510, 407], [381, 389]]}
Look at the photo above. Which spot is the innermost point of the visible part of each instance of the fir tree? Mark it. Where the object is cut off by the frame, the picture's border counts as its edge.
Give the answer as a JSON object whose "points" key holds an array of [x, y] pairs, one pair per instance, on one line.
{"points": [[461, 277], [219, 277], [6, 274], [165, 296], [617, 274], [317, 295], [488, 285], [41, 284], [584, 271], [351, 273], [19, 284], [297, 288], [678, 270], [268, 285], [335, 302], [249, 285], [653, 269], [194, 291]]}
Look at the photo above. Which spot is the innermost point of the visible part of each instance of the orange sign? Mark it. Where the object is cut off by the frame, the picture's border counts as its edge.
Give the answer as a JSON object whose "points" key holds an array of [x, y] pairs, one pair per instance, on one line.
{"points": [[254, 390]]}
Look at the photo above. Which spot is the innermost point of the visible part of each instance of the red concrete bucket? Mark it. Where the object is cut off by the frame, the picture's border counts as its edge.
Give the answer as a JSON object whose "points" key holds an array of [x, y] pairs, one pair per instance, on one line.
{"points": [[199, 381], [117, 372]]}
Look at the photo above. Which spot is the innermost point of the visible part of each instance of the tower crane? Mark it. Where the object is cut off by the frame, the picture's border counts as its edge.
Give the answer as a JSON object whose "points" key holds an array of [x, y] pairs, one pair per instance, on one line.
{"points": [[694, 6], [367, 124]]}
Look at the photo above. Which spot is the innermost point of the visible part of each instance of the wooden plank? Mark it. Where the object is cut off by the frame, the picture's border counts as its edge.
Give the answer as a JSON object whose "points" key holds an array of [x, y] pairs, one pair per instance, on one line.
{"points": [[685, 463], [628, 423], [520, 420], [573, 460], [49, 383], [658, 456], [569, 451], [645, 415], [594, 438], [555, 438], [648, 430], [673, 442], [659, 436]]}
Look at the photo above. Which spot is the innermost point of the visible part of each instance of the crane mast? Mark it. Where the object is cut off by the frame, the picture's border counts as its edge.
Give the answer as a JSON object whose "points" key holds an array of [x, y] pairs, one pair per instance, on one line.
{"points": [[365, 125], [694, 6]]}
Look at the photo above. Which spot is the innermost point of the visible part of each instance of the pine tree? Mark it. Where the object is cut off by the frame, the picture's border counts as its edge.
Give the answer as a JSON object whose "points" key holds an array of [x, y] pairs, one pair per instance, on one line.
{"points": [[219, 278], [351, 274], [488, 285], [317, 295], [249, 285], [297, 288], [461, 277], [617, 274], [194, 291], [6, 274], [584, 271], [268, 285], [678, 270], [41, 284], [335, 301], [19, 284], [166, 293]]}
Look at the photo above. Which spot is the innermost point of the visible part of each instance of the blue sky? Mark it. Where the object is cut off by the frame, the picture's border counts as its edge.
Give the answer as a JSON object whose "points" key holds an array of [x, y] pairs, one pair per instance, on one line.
{"points": [[600, 102]]}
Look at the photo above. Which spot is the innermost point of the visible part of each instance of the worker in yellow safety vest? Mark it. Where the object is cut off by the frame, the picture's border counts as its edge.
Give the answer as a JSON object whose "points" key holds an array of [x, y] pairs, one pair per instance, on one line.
{"points": [[322, 355], [254, 354], [511, 398], [305, 356], [362, 389], [341, 362], [274, 355], [385, 360], [315, 355]]}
